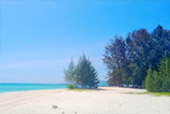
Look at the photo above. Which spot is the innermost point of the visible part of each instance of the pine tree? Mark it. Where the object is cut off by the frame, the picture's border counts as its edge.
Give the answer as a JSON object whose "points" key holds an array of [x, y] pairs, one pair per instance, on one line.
{"points": [[86, 74], [92, 79], [70, 73], [159, 80], [149, 80], [164, 73]]}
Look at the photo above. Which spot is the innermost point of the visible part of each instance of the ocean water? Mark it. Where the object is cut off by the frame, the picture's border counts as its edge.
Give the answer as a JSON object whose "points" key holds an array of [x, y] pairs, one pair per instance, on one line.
{"points": [[103, 84], [12, 87]]}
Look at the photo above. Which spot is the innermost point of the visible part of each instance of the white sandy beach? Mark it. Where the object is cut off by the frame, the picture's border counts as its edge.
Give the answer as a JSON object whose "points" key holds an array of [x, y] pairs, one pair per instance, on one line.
{"points": [[110, 100]]}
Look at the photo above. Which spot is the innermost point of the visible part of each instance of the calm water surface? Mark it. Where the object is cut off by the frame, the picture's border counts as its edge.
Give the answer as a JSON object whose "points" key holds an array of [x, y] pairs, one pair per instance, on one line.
{"points": [[11, 87]]}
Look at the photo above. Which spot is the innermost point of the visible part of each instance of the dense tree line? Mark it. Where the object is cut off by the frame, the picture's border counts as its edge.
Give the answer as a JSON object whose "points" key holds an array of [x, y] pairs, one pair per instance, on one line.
{"points": [[128, 59], [83, 74]]}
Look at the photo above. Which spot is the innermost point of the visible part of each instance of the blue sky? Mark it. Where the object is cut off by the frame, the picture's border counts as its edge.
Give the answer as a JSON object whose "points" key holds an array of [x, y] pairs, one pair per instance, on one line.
{"points": [[38, 38]]}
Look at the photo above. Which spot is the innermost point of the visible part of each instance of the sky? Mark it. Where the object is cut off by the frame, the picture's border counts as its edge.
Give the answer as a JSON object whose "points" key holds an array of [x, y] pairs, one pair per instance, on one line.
{"points": [[38, 38]]}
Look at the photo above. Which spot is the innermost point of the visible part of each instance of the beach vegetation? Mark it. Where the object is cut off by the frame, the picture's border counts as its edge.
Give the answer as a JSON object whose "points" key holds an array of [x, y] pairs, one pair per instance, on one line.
{"points": [[70, 75], [159, 81], [70, 86], [149, 93], [83, 75], [129, 58]]}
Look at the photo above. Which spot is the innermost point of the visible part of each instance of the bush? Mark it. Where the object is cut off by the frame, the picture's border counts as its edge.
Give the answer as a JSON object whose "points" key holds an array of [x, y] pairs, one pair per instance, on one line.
{"points": [[159, 81], [152, 81], [70, 87]]}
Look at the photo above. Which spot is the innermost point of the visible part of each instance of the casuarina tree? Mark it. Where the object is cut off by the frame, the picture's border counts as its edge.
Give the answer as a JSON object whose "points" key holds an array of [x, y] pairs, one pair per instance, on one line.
{"points": [[86, 73], [129, 58], [83, 74]]}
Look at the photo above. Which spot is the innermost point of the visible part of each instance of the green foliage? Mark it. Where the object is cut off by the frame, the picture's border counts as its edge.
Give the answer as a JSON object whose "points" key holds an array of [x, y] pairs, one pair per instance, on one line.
{"points": [[160, 93], [86, 74], [164, 73], [83, 74], [116, 79], [159, 81], [150, 93], [133, 55], [70, 87], [152, 79], [70, 73], [149, 85]]}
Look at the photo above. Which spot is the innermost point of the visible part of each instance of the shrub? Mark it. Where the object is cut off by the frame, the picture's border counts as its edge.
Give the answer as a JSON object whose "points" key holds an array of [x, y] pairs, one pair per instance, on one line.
{"points": [[159, 81], [70, 87]]}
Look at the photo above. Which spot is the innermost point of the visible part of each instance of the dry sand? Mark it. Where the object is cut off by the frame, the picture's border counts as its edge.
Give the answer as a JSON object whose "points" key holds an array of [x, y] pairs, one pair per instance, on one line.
{"points": [[109, 100]]}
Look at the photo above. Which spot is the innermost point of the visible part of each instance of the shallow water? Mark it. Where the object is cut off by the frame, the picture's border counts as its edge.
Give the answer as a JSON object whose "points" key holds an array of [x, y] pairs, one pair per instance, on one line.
{"points": [[11, 87]]}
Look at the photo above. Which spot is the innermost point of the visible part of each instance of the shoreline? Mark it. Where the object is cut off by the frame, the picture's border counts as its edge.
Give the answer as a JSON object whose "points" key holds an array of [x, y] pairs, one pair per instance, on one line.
{"points": [[30, 90], [68, 89]]}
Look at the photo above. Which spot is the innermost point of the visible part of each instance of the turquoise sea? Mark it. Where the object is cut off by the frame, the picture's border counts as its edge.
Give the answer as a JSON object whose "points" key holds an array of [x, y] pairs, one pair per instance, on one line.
{"points": [[11, 87]]}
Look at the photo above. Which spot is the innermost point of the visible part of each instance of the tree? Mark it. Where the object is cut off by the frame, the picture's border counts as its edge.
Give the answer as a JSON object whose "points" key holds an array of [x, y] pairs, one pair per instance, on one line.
{"points": [[164, 73], [115, 59], [93, 80], [159, 80], [70, 75], [152, 80], [86, 74], [138, 49], [133, 55], [83, 74], [160, 45], [115, 79], [115, 53]]}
